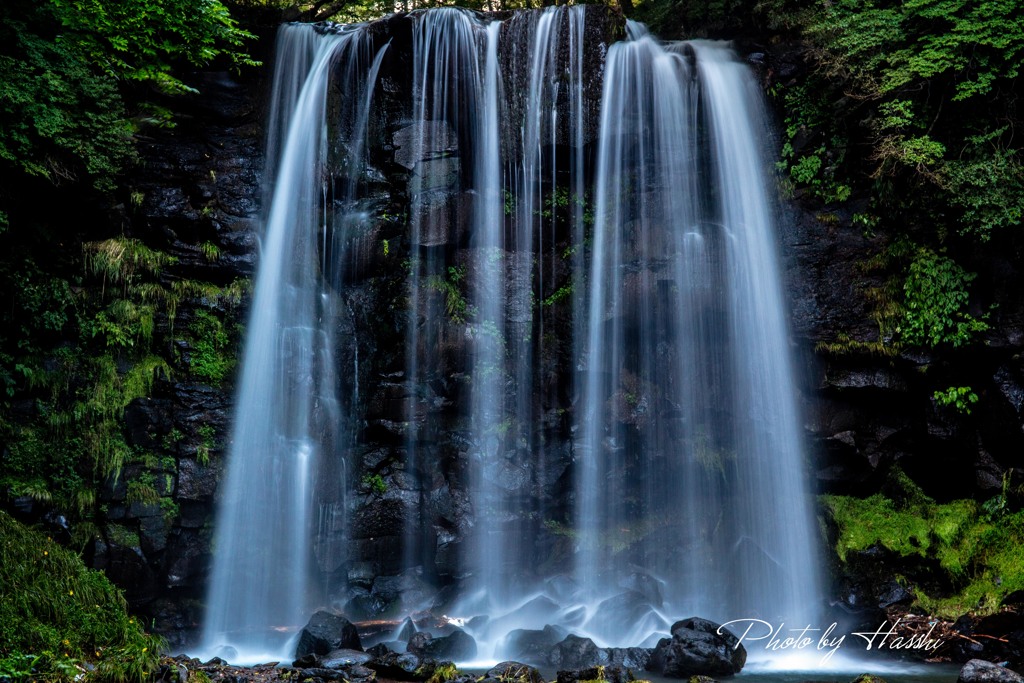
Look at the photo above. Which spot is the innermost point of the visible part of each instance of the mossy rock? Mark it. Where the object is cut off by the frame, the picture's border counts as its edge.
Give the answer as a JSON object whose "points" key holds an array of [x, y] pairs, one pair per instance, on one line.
{"points": [[868, 678]]}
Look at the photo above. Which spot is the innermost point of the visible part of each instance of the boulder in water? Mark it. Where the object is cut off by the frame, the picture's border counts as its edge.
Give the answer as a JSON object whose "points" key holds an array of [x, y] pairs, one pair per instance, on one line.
{"points": [[514, 672], [980, 671], [325, 632], [575, 652], [398, 667], [533, 646], [379, 650], [458, 645], [604, 674], [629, 657], [337, 659], [697, 646]]}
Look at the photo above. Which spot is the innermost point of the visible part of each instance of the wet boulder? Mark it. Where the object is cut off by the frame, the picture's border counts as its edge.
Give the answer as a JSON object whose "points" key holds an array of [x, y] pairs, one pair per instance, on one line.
{"points": [[604, 674], [980, 671], [533, 646], [457, 646], [514, 672], [326, 632], [575, 652], [697, 646], [398, 667], [629, 657], [342, 658]]}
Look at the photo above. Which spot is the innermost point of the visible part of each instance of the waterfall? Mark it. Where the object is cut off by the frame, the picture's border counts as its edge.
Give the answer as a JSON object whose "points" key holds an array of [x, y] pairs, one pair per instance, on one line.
{"points": [[446, 93], [287, 414], [690, 453], [489, 547], [590, 415]]}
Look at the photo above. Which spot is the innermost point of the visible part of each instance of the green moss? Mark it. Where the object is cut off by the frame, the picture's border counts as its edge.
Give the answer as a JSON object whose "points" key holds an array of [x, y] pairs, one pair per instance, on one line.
{"points": [[55, 614], [975, 549], [876, 520], [455, 302], [213, 355], [376, 484], [443, 672], [207, 436], [123, 536]]}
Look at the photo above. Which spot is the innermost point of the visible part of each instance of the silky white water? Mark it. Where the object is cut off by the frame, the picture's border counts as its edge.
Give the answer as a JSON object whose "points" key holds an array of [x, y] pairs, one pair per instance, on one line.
{"points": [[690, 452], [685, 493], [286, 417]]}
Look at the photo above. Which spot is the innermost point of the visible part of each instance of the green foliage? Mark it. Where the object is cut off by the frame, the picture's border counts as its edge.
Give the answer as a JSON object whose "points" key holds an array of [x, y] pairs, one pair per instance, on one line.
{"points": [[974, 551], [455, 302], [891, 47], [936, 299], [59, 118], [375, 483], [443, 672], [80, 351], [64, 67], [213, 356], [960, 398], [924, 88], [986, 182], [561, 294], [56, 615], [210, 251], [207, 436], [141, 41]]}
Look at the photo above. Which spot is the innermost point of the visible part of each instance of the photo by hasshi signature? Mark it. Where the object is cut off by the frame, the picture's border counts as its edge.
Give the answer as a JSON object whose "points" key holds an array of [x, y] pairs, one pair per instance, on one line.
{"points": [[778, 637]]}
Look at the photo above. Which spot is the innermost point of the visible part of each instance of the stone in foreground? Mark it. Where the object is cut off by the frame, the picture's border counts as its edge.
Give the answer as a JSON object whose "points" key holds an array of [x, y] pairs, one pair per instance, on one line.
{"points": [[980, 671], [697, 648], [326, 632]]}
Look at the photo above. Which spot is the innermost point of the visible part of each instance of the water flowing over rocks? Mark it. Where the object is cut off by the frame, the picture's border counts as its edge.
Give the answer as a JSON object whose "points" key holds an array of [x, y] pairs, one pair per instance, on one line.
{"points": [[201, 182]]}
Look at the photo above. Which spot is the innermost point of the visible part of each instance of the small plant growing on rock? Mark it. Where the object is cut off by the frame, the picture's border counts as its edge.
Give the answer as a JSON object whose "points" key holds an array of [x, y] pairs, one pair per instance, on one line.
{"points": [[960, 398], [376, 484]]}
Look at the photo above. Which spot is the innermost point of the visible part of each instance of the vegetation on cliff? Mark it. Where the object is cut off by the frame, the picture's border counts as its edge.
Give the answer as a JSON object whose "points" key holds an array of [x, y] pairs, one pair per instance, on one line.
{"points": [[911, 110], [60, 621], [90, 310]]}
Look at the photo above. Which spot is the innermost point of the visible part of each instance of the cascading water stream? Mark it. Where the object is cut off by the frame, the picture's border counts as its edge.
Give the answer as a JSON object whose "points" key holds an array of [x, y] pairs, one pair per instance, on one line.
{"points": [[699, 476], [489, 547], [446, 89], [686, 475], [287, 415]]}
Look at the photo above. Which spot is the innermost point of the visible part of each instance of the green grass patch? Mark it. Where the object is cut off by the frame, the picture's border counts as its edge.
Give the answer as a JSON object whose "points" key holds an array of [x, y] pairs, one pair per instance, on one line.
{"points": [[56, 615]]}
